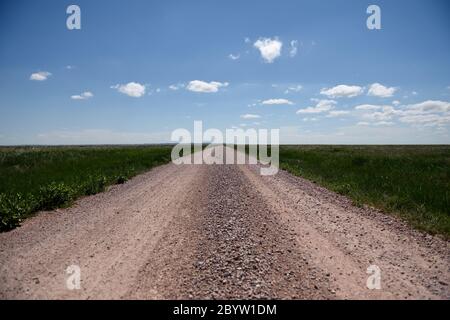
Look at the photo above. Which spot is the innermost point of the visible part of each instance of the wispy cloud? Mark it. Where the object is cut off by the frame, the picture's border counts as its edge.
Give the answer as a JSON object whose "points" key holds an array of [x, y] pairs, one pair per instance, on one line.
{"points": [[84, 96], [296, 88], [369, 107], [277, 101], [234, 56], [321, 106], [175, 87], [337, 113], [250, 116]]}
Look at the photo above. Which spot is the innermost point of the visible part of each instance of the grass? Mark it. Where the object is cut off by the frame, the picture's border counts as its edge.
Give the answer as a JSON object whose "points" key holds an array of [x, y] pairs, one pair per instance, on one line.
{"points": [[45, 178], [412, 182]]}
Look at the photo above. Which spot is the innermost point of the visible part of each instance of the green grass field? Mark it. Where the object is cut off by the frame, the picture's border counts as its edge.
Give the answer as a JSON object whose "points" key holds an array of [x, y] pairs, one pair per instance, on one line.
{"points": [[45, 178], [412, 182]]}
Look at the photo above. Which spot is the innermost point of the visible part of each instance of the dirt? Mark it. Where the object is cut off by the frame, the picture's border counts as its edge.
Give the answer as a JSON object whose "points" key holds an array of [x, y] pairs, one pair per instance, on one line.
{"points": [[220, 232]]}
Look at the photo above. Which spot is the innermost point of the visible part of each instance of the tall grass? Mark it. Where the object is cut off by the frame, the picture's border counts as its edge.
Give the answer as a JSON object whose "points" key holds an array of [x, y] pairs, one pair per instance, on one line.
{"points": [[412, 182], [45, 178]]}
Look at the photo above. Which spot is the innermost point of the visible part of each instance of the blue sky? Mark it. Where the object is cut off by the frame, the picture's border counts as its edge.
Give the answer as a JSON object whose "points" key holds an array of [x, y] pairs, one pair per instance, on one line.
{"points": [[137, 70]]}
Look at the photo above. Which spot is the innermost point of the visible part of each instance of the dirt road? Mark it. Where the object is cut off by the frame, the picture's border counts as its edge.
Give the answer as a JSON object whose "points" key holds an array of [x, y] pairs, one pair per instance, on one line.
{"points": [[220, 231]]}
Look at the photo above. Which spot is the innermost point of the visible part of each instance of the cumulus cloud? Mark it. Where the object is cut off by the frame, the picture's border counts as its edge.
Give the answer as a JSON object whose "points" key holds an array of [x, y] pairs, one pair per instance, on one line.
{"points": [[342, 90], [321, 106], [206, 87], [386, 113], [430, 106], [428, 113], [277, 101], [396, 103], [294, 48], [132, 89], [270, 49], [233, 56], [84, 96], [250, 116], [40, 76], [378, 90], [426, 119]]}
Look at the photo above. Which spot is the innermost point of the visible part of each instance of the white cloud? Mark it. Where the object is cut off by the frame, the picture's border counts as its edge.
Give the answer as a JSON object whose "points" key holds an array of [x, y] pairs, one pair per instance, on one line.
{"points": [[207, 87], [132, 89], [250, 116], [396, 103], [363, 123], [69, 67], [430, 106], [270, 49], [337, 113], [384, 123], [426, 119], [277, 101], [368, 107], [234, 57], [247, 40], [426, 114], [296, 88], [40, 76], [386, 113], [378, 90], [321, 106], [294, 48], [84, 96], [342, 90]]}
